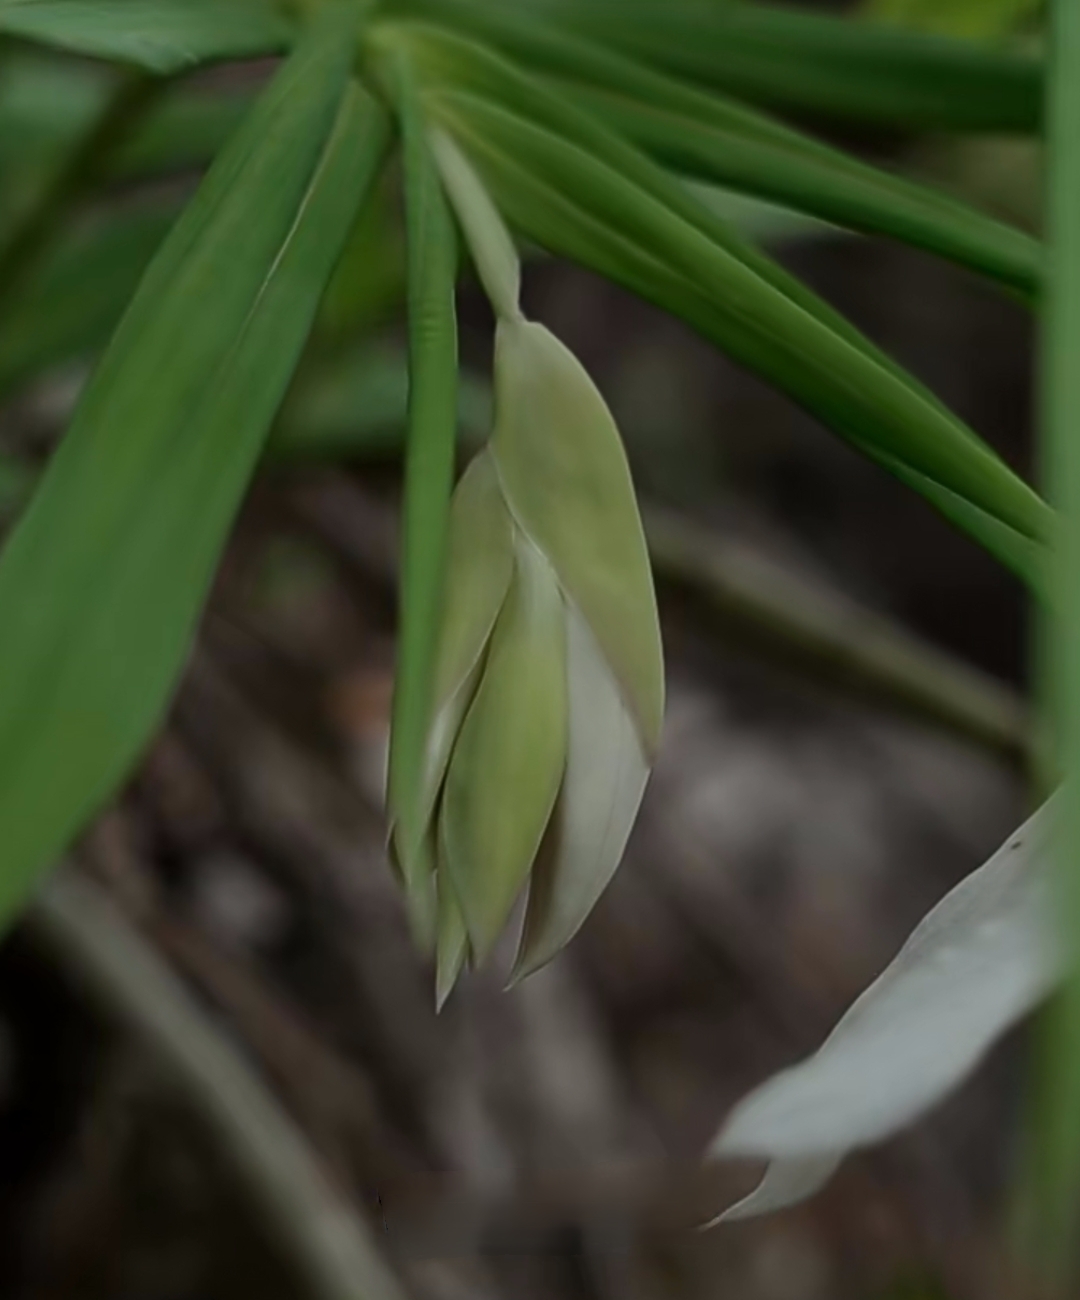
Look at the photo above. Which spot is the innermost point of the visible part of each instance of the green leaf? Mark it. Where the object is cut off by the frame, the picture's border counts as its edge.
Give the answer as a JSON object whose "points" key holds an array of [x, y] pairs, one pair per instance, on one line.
{"points": [[429, 479], [508, 760], [163, 36], [563, 468], [716, 138], [16, 481], [711, 143], [632, 237], [102, 582], [606, 773], [68, 307], [794, 60], [617, 164], [761, 221], [1058, 1119], [970, 18]]}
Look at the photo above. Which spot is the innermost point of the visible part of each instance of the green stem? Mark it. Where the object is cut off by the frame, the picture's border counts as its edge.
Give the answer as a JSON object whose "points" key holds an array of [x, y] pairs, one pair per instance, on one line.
{"points": [[1058, 1118]]}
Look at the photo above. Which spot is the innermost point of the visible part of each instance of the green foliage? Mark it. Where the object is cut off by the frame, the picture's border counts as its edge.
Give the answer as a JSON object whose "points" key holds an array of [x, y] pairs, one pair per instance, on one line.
{"points": [[975, 18], [102, 580], [429, 477], [160, 35], [1059, 1116], [529, 696]]}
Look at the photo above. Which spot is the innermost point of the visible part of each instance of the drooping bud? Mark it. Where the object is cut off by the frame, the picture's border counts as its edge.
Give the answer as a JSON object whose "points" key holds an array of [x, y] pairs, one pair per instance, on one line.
{"points": [[550, 688]]}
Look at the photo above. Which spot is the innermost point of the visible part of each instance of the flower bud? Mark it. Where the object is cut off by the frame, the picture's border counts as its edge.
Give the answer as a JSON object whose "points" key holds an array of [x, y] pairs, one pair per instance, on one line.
{"points": [[550, 691]]}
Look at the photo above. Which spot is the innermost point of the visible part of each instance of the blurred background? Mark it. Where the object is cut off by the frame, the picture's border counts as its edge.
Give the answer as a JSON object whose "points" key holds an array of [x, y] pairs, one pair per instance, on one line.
{"points": [[844, 741]]}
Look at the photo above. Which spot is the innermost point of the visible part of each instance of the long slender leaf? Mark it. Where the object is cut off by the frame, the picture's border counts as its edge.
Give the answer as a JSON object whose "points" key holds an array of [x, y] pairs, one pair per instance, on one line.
{"points": [[970, 18], [717, 138], [792, 59], [661, 254], [429, 478], [163, 36], [1059, 1115], [102, 581], [451, 61], [831, 185], [558, 223]]}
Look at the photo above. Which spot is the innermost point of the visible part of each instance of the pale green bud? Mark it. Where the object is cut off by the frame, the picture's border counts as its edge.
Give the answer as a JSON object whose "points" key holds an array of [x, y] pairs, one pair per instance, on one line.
{"points": [[550, 690]]}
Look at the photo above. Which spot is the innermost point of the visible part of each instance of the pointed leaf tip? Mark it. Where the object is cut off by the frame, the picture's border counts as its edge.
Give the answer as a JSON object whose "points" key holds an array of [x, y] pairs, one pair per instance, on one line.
{"points": [[452, 947]]}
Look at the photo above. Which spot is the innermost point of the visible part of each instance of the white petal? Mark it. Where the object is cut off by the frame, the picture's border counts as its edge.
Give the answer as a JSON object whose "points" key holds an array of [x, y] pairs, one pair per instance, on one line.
{"points": [[606, 772], [786, 1182], [974, 966]]}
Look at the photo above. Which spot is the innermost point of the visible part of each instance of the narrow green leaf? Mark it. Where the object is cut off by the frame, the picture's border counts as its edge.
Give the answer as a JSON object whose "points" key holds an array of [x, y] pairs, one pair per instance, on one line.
{"points": [[795, 60], [717, 138], [449, 57], [102, 582], [16, 482], [824, 182], [163, 36], [761, 221], [653, 250], [508, 760], [449, 61], [1058, 1118], [970, 18], [567, 481], [429, 478], [606, 773]]}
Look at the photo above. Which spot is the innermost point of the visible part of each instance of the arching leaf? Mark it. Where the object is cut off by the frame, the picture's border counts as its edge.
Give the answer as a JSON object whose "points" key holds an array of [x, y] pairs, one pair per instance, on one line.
{"points": [[102, 582]]}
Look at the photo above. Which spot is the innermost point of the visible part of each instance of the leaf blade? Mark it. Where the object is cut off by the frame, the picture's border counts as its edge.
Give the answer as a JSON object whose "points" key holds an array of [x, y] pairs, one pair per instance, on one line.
{"points": [[429, 475], [162, 36], [102, 582]]}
